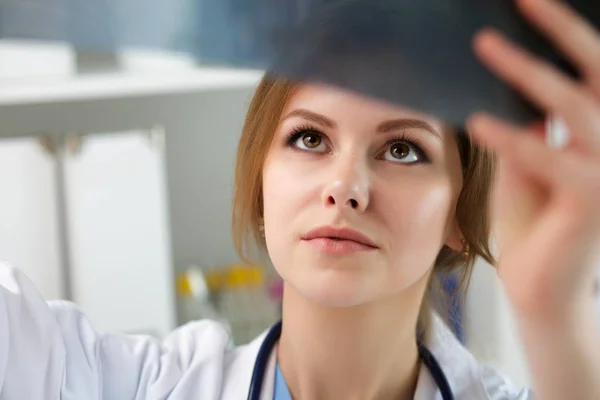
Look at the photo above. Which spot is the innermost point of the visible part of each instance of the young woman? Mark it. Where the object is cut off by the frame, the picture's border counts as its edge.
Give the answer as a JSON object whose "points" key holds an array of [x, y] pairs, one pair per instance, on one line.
{"points": [[359, 205]]}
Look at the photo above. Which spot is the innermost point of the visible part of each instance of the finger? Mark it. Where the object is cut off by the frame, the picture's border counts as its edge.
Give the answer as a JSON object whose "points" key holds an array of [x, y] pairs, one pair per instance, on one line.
{"points": [[545, 85], [539, 129], [516, 200], [518, 147], [577, 38], [546, 131]]}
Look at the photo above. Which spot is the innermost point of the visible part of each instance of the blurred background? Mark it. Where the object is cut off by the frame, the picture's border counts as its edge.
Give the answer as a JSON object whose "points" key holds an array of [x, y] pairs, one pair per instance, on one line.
{"points": [[116, 169]]}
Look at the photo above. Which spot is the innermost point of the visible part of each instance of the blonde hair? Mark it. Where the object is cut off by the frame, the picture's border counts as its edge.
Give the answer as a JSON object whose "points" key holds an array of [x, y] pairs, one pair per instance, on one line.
{"points": [[260, 125]]}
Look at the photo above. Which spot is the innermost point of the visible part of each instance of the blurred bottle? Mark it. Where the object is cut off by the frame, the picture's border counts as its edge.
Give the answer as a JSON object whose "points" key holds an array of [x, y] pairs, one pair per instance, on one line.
{"points": [[194, 297]]}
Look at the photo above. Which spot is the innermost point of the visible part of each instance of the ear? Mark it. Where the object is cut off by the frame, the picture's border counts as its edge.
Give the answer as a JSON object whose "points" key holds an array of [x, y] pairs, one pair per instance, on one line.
{"points": [[454, 239]]}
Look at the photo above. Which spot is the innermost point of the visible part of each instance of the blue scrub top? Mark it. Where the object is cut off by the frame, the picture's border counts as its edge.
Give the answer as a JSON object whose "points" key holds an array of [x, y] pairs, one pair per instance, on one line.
{"points": [[281, 391]]}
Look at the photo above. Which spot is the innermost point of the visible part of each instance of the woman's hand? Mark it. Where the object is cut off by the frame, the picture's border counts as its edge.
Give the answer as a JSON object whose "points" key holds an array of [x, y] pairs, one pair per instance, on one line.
{"points": [[546, 202]]}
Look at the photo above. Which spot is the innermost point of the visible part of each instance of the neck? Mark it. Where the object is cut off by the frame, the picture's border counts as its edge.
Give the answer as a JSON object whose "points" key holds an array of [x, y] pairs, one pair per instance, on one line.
{"points": [[362, 352]]}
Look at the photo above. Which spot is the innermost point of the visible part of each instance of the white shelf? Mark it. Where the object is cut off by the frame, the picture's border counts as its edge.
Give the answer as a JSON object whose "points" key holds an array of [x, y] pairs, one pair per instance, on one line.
{"points": [[121, 85]]}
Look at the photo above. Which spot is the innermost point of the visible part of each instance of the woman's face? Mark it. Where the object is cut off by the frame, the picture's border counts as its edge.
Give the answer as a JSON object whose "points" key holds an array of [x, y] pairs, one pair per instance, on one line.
{"points": [[359, 196]]}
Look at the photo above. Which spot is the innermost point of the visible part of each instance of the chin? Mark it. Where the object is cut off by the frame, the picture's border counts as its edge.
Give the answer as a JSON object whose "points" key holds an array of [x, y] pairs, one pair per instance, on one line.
{"points": [[344, 281], [337, 287]]}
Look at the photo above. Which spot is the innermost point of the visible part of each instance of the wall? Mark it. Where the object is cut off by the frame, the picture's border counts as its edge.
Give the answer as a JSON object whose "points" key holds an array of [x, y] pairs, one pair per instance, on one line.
{"points": [[200, 156]]}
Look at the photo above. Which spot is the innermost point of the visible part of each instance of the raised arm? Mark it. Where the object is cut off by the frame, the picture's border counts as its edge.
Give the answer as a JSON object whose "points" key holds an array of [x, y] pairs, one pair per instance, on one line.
{"points": [[51, 351], [32, 351], [547, 203]]}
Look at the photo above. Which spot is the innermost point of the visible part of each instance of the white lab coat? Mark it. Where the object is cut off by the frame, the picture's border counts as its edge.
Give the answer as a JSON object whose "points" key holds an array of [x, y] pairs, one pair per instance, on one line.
{"points": [[51, 351]]}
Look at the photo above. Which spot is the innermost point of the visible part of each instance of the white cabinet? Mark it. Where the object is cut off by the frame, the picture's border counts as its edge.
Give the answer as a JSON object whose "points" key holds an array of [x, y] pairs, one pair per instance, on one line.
{"points": [[28, 214], [118, 259], [121, 271]]}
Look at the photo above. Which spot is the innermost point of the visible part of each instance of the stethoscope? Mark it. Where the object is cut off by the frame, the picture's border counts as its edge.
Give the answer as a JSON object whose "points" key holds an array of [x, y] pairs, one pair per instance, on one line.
{"points": [[264, 353]]}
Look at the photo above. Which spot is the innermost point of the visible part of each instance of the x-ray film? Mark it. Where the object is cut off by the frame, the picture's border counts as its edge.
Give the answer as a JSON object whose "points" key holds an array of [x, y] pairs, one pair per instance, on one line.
{"points": [[412, 52]]}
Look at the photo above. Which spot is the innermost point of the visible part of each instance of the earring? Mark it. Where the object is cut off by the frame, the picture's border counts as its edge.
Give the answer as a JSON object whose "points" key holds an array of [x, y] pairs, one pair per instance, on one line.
{"points": [[465, 252], [261, 227]]}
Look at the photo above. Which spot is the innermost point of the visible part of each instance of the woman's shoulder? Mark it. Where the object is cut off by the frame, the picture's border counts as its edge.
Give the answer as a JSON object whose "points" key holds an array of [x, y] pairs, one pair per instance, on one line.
{"points": [[468, 378]]}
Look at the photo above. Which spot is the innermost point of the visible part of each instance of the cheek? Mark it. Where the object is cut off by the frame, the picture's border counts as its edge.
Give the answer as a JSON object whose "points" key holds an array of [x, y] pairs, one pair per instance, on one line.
{"points": [[282, 199], [419, 216], [417, 221], [286, 191]]}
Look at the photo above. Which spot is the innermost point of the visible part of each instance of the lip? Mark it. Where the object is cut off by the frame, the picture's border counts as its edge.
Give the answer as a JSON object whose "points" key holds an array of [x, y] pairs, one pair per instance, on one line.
{"points": [[339, 240]]}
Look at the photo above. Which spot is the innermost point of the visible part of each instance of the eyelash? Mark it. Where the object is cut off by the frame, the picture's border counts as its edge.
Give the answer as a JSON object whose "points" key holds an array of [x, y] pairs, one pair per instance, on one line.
{"points": [[404, 137], [298, 131], [412, 141]]}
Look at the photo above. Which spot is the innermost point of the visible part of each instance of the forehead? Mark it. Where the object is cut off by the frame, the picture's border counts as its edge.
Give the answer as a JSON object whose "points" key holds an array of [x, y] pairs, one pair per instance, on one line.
{"points": [[341, 104]]}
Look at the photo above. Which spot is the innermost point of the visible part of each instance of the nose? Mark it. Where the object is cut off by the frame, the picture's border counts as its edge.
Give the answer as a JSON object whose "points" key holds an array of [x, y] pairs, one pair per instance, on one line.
{"points": [[350, 187]]}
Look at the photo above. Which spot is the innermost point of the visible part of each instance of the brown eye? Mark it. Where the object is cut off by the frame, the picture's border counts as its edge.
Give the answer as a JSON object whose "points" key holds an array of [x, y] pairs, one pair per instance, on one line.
{"points": [[403, 152], [400, 150], [311, 140]]}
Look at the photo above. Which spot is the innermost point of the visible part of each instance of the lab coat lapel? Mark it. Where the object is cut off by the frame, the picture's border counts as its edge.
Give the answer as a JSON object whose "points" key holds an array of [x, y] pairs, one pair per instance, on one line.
{"points": [[238, 372], [426, 387], [460, 367]]}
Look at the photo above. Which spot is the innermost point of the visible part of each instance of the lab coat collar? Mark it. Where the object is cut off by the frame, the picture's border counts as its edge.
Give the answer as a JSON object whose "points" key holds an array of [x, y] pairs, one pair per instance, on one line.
{"points": [[239, 368], [459, 366], [462, 370]]}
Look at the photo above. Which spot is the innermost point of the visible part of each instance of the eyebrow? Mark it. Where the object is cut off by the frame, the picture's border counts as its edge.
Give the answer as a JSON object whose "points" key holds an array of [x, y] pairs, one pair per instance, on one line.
{"points": [[406, 123], [311, 116], [384, 127]]}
